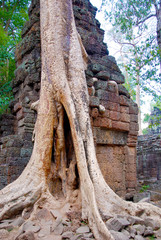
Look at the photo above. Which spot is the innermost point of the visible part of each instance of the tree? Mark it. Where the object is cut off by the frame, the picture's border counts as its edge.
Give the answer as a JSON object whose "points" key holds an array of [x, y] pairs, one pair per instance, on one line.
{"points": [[13, 15], [64, 97], [130, 19]]}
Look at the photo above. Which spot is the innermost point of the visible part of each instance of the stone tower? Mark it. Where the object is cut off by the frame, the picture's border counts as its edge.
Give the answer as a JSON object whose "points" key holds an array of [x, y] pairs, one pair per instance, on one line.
{"points": [[113, 113]]}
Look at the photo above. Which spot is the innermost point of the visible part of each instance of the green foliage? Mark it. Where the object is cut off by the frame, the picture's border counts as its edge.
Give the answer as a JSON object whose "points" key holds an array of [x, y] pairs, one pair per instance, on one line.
{"points": [[152, 237], [144, 188], [13, 15]]}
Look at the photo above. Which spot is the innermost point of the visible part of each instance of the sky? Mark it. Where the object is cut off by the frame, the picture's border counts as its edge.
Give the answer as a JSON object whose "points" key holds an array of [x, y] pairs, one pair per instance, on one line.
{"points": [[113, 50]]}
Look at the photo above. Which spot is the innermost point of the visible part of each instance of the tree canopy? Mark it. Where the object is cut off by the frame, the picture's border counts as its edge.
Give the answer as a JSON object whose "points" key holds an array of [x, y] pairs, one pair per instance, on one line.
{"points": [[136, 28], [13, 15]]}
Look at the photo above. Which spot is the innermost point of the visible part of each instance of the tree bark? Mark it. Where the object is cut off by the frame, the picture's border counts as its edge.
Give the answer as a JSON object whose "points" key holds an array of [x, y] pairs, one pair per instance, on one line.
{"points": [[64, 92]]}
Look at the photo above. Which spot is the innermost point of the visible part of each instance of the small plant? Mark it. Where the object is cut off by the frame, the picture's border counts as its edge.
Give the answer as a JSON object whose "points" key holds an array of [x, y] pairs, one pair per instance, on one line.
{"points": [[144, 188], [152, 237]]}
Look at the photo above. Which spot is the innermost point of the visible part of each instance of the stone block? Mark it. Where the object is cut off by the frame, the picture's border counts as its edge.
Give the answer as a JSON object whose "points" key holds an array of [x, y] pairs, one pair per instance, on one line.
{"points": [[96, 67], [133, 109], [17, 107], [124, 109], [94, 112], [104, 136], [91, 91], [123, 91], [123, 126], [124, 101], [102, 94], [21, 123], [117, 223], [133, 118], [90, 82], [134, 126], [113, 97], [25, 152], [104, 75], [102, 122], [124, 117], [117, 77], [100, 85], [114, 115], [20, 114], [94, 101]]}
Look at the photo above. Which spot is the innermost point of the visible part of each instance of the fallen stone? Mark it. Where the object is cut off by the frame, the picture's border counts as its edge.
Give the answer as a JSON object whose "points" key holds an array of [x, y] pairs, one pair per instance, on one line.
{"points": [[3, 234], [6, 225], [149, 222], [125, 232], [135, 220], [58, 230], [29, 226], [26, 236], [67, 235], [45, 231], [132, 231], [67, 223], [119, 235], [18, 222], [117, 224], [88, 235], [83, 229], [158, 234], [139, 237], [56, 214], [139, 229], [148, 231], [44, 214]]}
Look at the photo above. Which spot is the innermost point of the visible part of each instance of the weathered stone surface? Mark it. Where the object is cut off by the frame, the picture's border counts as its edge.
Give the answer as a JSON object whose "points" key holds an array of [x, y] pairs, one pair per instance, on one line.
{"points": [[3, 234], [67, 235], [117, 224], [83, 229], [109, 137], [119, 235], [26, 236], [139, 229], [104, 75]]}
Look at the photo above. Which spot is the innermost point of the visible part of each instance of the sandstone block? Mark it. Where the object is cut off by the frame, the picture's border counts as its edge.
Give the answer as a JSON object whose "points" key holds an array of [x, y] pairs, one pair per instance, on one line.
{"points": [[119, 235], [91, 91], [117, 224], [123, 91], [20, 114], [124, 101], [100, 85], [134, 126], [120, 126], [114, 115], [124, 117], [102, 122], [104, 75], [117, 77], [94, 112], [83, 229], [133, 118], [113, 97], [124, 109], [102, 94], [17, 107], [133, 109], [94, 101]]}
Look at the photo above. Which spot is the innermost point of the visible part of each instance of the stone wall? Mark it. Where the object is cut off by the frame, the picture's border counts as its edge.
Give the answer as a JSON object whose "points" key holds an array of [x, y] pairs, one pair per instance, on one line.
{"points": [[115, 129], [149, 157]]}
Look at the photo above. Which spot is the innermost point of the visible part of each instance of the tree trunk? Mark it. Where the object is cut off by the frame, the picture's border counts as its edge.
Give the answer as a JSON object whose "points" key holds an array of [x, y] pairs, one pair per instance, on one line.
{"points": [[63, 99]]}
